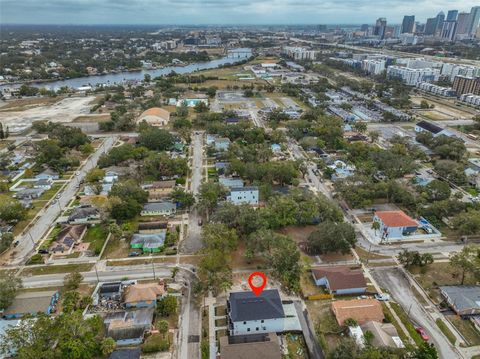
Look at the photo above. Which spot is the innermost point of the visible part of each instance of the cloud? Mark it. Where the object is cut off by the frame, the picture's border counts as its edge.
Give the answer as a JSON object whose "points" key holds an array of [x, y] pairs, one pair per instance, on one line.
{"points": [[218, 11]]}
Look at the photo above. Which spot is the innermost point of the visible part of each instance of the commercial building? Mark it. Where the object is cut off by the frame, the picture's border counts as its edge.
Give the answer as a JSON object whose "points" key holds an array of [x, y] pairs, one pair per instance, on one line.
{"points": [[244, 195], [362, 310], [434, 130], [463, 85], [408, 24], [452, 15], [340, 280], [300, 53], [463, 299], [463, 22], [474, 20], [155, 116], [448, 30], [374, 67], [249, 314], [380, 28], [395, 224], [451, 70]]}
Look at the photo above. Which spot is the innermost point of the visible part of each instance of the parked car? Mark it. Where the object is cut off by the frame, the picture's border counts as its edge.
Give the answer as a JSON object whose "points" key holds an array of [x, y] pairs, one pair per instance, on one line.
{"points": [[422, 333], [133, 254], [43, 251], [16, 243], [382, 297]]}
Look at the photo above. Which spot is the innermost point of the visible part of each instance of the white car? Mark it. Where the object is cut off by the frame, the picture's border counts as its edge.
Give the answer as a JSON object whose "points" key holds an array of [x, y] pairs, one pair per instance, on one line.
{"points": [[382, 297]]}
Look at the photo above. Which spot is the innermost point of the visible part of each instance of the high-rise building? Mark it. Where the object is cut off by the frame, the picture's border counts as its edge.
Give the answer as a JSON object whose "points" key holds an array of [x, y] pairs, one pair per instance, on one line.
{"points": [[430, 26], [463, 21], [448, 30], [474, 20], [419, 28], [380, 27], [408, 24], [464, 84], [364, 27], [439, 22], [452, 15]]}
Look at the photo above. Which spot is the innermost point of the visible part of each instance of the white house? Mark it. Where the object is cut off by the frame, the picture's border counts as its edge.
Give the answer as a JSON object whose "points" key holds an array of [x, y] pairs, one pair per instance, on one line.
{"points": [[249, 314], [159, 209], [395, 224], [248, 195]]}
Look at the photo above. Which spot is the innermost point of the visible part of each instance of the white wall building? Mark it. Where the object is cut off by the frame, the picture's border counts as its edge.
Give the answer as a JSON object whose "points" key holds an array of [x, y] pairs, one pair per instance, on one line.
{"points": [[437, 90], [413, 76], [471, 99], [374, 67]]}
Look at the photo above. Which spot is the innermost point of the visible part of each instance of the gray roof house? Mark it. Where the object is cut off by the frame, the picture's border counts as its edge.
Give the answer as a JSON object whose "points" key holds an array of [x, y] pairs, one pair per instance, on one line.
{"points": [[29, 193], [84, 215], [231, 182], [159, 209], [249, 314], [463, 299], [128, 328]]}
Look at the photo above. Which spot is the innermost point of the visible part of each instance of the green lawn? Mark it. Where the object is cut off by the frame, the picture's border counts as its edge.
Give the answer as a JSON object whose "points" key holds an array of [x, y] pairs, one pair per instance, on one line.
{"points": [[96, 236], [56, 269], [467, 329], [447, 332], [407, 323]]}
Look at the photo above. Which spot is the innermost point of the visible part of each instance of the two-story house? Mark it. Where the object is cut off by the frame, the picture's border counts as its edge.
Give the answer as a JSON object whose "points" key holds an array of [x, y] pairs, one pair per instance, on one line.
{"points": [[244, 195], [249, 314]]}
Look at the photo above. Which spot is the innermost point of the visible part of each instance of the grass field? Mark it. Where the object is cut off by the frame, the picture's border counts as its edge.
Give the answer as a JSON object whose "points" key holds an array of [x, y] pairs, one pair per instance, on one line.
{"points": [[57, 269], [443, 327], [467, 329], [96, 236], [93, 118]]}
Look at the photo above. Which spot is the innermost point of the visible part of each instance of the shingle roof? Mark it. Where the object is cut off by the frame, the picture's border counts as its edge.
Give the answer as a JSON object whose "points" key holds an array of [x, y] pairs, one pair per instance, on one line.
{"points": [[465, 297], [143, 292], [362, 310], [31, 302], [246, 306], [430, 127], [396, 219], [341, 277]]}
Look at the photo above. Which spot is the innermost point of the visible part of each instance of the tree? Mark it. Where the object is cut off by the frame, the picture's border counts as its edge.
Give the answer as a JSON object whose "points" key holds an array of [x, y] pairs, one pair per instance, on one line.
{"points": [[9, 286], [167, 306], [284, 258], [437, 190], [182, 110], [162, 326], [209, 194], [200, 107], [331, 237], [74, 337], [424, 104], [94, 175], [182, 198], [468, 223], [467, 261], [424, 351], [72, 281], [350, 322], [108, 344], [376, 226], [11, 210], [154, 138], [5, 241], [217, 236], [414, 258], [360, 126]]}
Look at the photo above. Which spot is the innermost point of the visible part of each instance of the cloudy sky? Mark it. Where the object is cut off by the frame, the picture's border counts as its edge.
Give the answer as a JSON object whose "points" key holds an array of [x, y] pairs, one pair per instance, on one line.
{"points": [[220, 11]]}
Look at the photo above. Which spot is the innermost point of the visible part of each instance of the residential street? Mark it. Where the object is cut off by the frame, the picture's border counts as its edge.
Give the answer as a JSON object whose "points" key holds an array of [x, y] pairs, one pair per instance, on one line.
{"points": [[192, 243], [399, 287], [47, 216]]}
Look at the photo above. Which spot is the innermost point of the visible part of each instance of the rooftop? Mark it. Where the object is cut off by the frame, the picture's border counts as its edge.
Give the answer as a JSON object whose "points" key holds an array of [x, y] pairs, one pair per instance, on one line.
{"points": [[341, 277], [159, 206], [31, 302], [143, 292], [265, 346], [246, 306], [156, 111], [362, 310], [244, 189], [430, 127], [396, 219], [464, 296]]}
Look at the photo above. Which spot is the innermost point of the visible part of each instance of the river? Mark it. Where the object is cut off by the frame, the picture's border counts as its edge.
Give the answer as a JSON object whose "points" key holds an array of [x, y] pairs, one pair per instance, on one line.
{"points": [[234, 55]]}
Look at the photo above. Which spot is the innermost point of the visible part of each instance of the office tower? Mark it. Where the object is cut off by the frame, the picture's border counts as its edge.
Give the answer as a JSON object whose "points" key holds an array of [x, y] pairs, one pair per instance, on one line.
{"points": [[463, 21], [439, 22], [364, 27], [380, 27], [419, 28], [430, 26], [474, 20], [448, 30], [408, 24], [452, 15]]}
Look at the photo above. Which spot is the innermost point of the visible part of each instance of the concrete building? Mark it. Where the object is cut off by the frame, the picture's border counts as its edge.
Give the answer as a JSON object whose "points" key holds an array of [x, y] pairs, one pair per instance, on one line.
{"points": [[411, 76], [451, 70], [380, 28], [474, 20], [244, 195], [471, 99], [463, 22], [395, 224], [249, 314], [437, 90], [463, 85], [374, 67], [340, 280], [448, 30]]}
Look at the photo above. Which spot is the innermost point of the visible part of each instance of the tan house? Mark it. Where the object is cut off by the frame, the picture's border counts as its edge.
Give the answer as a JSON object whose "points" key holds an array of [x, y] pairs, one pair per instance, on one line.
{"points": [[155, 116], [362, 310], [160, 189], [143, 295]]}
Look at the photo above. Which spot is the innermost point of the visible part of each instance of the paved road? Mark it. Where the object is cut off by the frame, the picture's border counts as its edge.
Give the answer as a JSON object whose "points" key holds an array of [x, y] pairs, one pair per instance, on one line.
{"points": [[192, 242], [47, 216], [308, 330], [399, 287]]}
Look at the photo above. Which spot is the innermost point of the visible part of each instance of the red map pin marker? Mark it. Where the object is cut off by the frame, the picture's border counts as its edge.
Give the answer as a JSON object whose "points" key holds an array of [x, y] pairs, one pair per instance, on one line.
{"points": [[257, 290]]}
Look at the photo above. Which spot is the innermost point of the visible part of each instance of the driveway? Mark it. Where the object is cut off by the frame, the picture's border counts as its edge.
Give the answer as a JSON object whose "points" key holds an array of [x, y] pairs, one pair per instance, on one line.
{"points": [[399, 287]]}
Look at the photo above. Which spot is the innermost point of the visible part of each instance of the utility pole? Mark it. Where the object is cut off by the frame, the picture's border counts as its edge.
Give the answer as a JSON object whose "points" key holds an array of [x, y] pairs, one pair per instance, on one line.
{"points": [[96, 272], [153, 270]]}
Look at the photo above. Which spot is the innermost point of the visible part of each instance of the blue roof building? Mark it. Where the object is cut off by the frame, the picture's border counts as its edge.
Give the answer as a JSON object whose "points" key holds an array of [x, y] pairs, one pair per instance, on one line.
{"points": [[245, 195]]}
